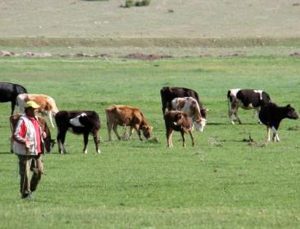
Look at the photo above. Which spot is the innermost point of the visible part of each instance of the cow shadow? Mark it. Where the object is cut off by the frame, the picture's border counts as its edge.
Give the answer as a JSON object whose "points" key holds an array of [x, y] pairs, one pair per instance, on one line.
{"points": [[5, 153], [229, 124]]}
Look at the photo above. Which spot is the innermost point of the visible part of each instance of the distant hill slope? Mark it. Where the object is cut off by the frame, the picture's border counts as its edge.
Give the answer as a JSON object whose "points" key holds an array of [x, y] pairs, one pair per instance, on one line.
{"points": [[162, 19]]}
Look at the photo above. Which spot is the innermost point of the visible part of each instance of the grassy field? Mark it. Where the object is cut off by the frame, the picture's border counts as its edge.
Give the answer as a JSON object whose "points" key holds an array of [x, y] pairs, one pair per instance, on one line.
{"points": [[222, 182]]}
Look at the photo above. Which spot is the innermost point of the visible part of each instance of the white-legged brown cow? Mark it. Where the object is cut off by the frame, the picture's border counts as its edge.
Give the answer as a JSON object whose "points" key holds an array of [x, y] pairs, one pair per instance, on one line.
{"points": [[271, 115], [48, 143], [246, 99], [79, 122], [178, 121], [47, 104], [124, 115], [190, 106], [167, 94]]}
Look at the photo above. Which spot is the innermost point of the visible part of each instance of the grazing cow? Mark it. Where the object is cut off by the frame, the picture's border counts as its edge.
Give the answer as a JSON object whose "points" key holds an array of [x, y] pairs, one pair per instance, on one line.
{"points": [[9, 93], [48, 143], [246, 99], [79, 122], [127, 116], [271, 115], [190, 106], [178, 121], [47, 104], [169, 93]]}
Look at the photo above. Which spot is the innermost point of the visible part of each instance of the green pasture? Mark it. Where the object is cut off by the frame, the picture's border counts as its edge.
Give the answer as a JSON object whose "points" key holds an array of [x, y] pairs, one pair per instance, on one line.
{"points": [[222, 182]]}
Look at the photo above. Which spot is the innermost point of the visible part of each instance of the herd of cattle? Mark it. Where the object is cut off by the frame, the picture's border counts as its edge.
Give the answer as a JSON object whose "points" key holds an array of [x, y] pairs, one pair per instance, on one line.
{"points": [[181, 107]]}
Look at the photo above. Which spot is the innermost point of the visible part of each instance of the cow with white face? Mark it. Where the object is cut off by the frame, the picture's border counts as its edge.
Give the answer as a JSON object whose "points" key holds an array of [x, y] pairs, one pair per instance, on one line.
{"points": [[246, 99], [190, 106]]}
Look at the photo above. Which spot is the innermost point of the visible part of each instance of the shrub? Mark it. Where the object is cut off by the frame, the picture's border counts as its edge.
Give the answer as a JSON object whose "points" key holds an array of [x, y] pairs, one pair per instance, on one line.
{"points": [[130, 3], [143, 3]]}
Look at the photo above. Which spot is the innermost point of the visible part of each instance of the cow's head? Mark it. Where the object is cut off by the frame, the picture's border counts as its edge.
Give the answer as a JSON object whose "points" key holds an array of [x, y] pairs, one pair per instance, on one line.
{"points": [[48, 141], [183, 121], [147, 131], [200, 124], [291, 112], [49, 144]]}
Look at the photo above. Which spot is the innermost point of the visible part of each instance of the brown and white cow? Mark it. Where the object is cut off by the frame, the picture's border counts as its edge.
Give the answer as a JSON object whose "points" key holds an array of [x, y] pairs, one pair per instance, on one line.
{"points": [[79, 122], [271, 115], [167, 94], [246, 99], [190, 106], [47, 104], [178, 121], [48, 143], [124, 115]]}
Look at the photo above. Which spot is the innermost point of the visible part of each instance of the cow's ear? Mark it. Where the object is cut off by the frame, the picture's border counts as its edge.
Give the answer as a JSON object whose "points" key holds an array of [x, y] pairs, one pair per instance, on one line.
{"points": [[288, 106]]}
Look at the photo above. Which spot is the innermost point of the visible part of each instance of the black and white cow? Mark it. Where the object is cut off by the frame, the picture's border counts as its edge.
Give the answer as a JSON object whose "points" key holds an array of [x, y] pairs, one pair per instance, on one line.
{"points": [[169, 93], [79, 122], [246, 99], [9, 93], [271, 115]]}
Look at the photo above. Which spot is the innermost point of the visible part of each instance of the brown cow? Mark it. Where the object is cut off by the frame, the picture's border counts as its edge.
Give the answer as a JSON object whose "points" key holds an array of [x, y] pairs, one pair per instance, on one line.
{"points": [[48, 143], [178, 121], [127, 116], [47, 104], [190, 106]]}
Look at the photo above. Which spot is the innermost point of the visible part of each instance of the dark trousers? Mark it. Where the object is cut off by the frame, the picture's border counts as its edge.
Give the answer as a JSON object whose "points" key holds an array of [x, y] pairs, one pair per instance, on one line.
{"points": [[30, 170]]}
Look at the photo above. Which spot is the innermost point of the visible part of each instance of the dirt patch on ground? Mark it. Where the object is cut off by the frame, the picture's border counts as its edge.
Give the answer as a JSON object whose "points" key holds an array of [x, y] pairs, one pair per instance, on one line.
{"points": [[141, 56]]}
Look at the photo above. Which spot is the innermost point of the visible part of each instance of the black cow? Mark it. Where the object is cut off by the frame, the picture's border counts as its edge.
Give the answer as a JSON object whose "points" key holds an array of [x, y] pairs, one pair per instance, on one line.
{"points": [[79, 122], [169, 93], [246, 99], [178, 121], [271, 115], [9, 93]]}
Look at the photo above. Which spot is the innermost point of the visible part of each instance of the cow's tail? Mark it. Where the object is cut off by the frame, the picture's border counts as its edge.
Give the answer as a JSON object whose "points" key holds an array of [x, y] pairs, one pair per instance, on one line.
{"points": [[50, 115], [229, 99]]}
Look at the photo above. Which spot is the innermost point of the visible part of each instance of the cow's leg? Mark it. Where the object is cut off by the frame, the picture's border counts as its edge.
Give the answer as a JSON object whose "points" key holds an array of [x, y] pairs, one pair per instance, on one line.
{"points": [[256, 114], [13, 104], [138, 130], [275, 136], [115, 127], [109, 127], [232, 111], [126, 136], [183, 138], [192, 138], [268, 134], [85, 142], [11, 144], [61, 136], [169, 134], [236, 116], [96, 141]]}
